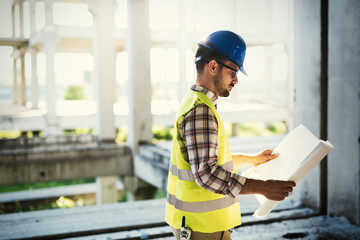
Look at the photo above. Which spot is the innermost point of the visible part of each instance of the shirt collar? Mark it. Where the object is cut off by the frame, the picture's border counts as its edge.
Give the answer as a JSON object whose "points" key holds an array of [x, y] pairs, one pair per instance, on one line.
{"points": [[205, 91]]}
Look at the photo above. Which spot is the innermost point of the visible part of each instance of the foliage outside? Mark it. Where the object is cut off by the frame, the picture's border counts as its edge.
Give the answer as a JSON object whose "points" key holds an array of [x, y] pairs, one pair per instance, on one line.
{"points": [[40, 185], [76, 92], [79, 131]]}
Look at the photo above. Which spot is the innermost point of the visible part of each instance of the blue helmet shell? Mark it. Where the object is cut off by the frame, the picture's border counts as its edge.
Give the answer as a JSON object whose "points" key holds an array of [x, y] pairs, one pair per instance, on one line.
{"points": [[229, 44]]}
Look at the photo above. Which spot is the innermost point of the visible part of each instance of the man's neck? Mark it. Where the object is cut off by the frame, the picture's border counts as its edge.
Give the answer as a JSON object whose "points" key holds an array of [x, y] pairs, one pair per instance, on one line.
{"points": [[205, 83]]}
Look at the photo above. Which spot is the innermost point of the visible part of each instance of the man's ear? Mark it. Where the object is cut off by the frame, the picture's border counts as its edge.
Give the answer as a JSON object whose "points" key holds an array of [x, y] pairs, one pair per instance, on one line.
{"points": [[212, 67]]}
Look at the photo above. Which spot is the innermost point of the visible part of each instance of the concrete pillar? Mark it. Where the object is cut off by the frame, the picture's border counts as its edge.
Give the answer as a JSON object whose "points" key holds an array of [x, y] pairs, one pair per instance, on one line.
{"points": [[105, 57], [21, 17], [289, 48], [23, 79], [307, 87], [52, 121], [33, 51], [138, 48], [49, 12], [32, 17], [344, 110], [234, 129], [15, 86], [140, 118], [138, 189], [107, 192], [34, 80], [13, 19], [50, 41]]}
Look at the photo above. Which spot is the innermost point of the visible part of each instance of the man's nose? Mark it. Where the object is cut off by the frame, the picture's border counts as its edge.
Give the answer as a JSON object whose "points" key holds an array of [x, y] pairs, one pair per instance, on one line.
{"points": [[236, 80]]}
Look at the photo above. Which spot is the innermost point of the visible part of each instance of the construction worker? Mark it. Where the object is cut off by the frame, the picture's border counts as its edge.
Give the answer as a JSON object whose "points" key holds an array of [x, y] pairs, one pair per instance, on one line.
{"points": [[203, 185]]}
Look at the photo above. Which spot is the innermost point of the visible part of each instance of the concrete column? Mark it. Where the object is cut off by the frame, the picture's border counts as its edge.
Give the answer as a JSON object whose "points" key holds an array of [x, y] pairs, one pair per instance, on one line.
{"points": [[52, 121], [21, 17], [32, 17], [307, 87], [107, 192], [33, 51], [49, 12], [15, 87], [49, 42], [13, 19], [289, 47], [138, 189], [344, 110], [23, 79], [138, 47], [105, 57], [34, 80], [140, 118]]}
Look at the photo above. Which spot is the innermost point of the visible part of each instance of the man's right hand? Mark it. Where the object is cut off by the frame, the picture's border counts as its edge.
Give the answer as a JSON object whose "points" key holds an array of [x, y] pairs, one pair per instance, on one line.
{"points": [[277, 190], [272, 189]]}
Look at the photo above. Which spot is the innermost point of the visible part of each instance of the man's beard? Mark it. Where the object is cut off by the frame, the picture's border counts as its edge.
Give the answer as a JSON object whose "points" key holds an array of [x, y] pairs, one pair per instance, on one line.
{"points": [[222, 91]]}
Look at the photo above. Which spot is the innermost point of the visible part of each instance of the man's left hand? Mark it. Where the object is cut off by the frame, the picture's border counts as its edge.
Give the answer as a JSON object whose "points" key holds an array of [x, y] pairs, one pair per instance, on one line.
{"points": [[264, 156]]}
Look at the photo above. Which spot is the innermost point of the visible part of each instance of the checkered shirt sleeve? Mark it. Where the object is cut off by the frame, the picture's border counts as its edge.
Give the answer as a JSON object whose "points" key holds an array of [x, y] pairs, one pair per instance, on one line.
{"points": [[199, 131]]}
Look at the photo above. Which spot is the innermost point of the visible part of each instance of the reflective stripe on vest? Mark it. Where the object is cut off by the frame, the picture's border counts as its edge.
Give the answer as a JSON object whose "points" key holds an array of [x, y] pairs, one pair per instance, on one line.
{"points": [[201, 207], [187, 175]]}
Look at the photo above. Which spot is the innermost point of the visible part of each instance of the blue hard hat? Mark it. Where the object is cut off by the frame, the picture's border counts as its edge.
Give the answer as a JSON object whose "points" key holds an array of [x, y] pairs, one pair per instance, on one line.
{"points": [[229, 44]]}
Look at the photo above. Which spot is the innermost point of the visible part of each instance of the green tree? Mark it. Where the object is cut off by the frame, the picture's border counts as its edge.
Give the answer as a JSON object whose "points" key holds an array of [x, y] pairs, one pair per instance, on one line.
{"points": [[77, 92]]}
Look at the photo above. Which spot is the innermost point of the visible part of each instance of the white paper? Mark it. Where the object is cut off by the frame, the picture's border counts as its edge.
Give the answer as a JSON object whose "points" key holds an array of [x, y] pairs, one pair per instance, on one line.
{"points": [[300, 151]]}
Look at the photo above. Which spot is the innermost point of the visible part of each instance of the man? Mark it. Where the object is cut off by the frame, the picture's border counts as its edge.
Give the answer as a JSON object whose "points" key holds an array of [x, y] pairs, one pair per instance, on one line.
{"points": [[203, 185]]}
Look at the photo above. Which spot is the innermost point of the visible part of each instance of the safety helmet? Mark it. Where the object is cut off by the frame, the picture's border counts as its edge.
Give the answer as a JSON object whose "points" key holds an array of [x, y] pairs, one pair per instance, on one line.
{"points": [[229, 44]]}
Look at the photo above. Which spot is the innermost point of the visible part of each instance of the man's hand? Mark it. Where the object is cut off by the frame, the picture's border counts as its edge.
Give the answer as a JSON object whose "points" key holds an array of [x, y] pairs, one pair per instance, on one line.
{"points": [[241, 160], [264, 156], [272, 189], [277, 190]]}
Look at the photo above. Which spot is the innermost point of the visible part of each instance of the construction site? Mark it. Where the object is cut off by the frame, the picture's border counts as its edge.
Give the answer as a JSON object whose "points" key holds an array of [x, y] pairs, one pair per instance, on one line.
{"points": [[89, 91]]}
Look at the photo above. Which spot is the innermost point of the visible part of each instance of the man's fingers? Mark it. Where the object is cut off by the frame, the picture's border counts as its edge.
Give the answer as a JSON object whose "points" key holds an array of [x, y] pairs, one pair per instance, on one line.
{"points": [[289, 183], [280, 196], [292, 184], [279, 189], [272, 156], [268, 152]]}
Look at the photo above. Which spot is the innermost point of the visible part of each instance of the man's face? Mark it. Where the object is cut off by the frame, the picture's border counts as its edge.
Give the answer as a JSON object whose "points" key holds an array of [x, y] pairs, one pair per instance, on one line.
{"points": [[225, 79]]}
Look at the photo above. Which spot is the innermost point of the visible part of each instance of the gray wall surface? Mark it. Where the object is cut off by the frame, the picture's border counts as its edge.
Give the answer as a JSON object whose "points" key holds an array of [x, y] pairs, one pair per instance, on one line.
{"points": [[307, 87], [343, 101], [344, 109]]}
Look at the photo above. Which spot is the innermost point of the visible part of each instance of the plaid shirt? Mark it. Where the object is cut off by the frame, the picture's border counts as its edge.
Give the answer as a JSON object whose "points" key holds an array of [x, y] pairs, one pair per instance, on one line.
{"points": [[198, 131]]}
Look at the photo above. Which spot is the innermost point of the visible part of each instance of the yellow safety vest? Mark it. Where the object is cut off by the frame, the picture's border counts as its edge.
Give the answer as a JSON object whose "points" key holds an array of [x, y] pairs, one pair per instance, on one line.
{"points": [[204, 210]]}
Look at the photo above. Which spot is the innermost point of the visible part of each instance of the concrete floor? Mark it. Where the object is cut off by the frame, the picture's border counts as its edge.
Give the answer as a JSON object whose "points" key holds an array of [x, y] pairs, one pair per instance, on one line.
{"points": [[145, 220]]}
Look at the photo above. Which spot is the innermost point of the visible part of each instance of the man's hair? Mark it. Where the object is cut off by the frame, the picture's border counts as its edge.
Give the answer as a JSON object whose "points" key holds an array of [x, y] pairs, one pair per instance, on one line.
{"points": [[206, 56]]}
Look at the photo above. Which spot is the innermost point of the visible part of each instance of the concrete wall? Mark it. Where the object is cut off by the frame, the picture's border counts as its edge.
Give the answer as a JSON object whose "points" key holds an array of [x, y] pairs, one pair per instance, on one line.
{"points": [[307, 87], [344, 109], [343, 101]]}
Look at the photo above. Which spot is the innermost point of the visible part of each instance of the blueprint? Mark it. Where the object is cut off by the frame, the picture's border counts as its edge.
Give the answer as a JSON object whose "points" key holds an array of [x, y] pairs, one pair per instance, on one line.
{"points": [[299, 152]]}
